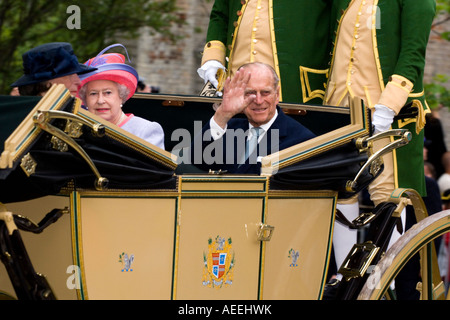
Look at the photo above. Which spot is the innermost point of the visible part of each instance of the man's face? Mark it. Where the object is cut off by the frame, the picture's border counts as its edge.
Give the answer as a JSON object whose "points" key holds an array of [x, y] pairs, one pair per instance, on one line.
{"points": [[262, 109], [72, 82]]}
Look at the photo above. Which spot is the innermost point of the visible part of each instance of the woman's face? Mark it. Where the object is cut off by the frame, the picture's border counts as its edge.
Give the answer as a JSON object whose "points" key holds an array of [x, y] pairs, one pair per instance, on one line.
{"points": [[102, 99]]}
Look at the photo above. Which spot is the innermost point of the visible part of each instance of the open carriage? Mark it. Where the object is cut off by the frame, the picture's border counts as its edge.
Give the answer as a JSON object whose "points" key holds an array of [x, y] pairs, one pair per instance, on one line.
{"points": [[127, 220]]}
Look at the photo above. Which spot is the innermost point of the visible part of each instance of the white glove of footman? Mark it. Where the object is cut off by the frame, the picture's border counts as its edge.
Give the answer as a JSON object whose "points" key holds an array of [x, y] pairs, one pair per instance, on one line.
{"points": [[209, 70], [382, 118]]}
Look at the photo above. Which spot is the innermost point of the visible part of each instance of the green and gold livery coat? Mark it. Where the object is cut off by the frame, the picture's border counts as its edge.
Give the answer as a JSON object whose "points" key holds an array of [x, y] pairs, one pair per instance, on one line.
{"points": [[400, 41], [299, 31]]}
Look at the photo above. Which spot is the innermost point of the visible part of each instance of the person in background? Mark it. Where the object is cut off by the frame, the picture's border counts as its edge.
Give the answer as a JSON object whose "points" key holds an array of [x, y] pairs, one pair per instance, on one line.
{"points": [[429, 170], [290, 36], [444, 252], [105, 90], [48, 64], [142, 87], [14, 92], [435, 140], [379, 56], [444, 180]]}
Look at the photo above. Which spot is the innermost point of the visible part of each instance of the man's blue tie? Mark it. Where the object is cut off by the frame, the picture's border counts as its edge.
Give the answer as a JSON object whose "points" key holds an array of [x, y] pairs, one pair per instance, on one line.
{"points": [[252, 143]]}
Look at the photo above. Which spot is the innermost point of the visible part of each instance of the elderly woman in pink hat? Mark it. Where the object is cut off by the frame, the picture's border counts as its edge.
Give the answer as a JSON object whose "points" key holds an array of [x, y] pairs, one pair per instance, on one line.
{"points": [[105, 90]]}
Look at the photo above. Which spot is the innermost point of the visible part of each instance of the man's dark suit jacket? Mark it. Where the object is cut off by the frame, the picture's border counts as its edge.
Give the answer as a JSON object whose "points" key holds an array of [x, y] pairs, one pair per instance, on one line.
{"points": [[290, 132]]}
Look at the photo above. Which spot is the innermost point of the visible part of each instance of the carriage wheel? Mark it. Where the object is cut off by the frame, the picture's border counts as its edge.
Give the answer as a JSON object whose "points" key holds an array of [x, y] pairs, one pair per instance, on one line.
{"points": [[418, 239]]}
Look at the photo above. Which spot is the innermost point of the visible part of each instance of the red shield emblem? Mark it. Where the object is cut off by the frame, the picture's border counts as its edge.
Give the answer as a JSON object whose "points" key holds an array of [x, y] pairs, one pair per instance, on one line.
{"points": [[218, 268]]}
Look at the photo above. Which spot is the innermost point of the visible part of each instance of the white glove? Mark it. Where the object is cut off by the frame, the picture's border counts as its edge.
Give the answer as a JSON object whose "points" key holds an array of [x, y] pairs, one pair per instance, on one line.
{"points": [[382, 118], [208, 71]]}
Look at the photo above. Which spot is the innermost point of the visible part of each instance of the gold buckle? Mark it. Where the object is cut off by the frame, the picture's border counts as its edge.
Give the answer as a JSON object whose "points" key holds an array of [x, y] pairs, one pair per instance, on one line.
{"points": [[28, 164], [265, 232], [358, 260], [364, 218]]}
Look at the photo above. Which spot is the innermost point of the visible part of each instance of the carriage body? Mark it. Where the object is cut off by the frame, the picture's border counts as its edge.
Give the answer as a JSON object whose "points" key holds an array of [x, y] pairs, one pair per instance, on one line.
{"points": [[180, 234]]}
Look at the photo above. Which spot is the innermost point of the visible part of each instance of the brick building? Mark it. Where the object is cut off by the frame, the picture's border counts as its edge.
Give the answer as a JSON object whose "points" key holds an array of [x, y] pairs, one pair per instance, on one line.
{"points": [[172, 67]]}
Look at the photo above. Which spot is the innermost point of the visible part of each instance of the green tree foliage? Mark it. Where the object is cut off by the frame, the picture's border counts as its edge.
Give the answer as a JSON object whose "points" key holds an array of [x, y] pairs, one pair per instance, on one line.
{"points": [[443, 16], [26, 24], [437, 92]]}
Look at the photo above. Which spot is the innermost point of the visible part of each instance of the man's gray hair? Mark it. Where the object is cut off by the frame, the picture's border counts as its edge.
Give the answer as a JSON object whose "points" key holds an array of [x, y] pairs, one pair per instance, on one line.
{"points": [[276, 79]]}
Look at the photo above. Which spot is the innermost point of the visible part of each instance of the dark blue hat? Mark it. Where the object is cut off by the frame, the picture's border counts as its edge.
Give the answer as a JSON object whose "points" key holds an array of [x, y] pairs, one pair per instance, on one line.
{"points": [[50, 61]]}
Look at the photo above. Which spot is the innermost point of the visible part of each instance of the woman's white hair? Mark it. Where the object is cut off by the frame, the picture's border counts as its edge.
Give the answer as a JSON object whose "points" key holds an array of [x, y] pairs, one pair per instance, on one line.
{"points": [[123, 92]]}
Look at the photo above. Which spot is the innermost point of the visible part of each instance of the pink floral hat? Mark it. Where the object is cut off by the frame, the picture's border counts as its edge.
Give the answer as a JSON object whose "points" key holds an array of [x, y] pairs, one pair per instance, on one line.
{"points": [[112, 66]]}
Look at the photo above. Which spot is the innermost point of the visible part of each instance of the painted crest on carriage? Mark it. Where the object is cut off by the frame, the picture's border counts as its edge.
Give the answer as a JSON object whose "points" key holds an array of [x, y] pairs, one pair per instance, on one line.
{"points": [[218, 263]]}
